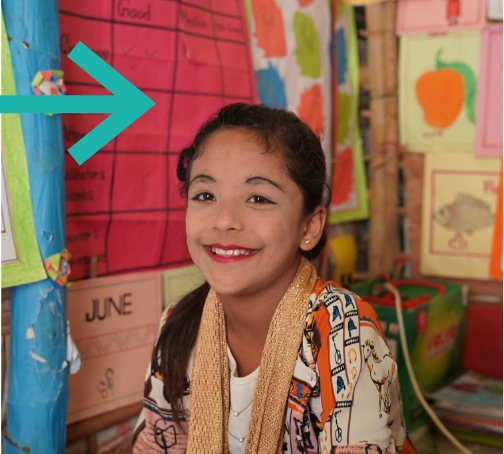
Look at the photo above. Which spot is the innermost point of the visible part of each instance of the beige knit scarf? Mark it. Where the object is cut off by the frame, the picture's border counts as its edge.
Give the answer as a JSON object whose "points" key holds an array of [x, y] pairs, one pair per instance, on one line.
{"points": [[210, 373]]}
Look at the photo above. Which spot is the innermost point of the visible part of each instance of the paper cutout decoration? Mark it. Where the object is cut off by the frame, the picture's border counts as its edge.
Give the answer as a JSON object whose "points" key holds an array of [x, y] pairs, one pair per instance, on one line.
{"points": [[496, 256], [114, 323], [124, 205], [49, 83], [21, 261], [460, 196], [489, 101], [439, 16], [290, 45], [437, 91], [494, 10], [178, 282], [349, 200], [57, 267]]}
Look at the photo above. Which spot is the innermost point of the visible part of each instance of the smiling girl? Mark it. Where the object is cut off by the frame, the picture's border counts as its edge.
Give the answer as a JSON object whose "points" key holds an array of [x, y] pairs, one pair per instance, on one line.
{"points": [[264, 357]]}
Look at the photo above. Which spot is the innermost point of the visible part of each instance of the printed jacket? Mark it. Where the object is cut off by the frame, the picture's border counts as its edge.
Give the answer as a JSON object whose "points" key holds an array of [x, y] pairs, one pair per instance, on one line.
{"points": [[344, 397]]}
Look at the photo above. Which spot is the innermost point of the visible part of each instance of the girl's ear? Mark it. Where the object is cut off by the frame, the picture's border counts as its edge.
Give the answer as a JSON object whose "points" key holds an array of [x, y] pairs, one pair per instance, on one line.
{"points": [[314, 227]]}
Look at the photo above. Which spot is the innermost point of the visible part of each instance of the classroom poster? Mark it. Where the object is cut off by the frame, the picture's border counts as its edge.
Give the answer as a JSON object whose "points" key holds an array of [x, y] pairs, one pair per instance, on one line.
{"points": [[459, 201], [21, 260], [489, 101], [496, 263], [439, 16], [437, 91], [349, 200], [178, 282], [114, 323], [123, 204], [290, 43], [494, 10]]}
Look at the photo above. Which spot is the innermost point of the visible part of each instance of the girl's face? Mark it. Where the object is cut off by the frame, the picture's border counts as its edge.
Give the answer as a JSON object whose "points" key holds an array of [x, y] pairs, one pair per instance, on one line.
{"points": [[244, 219]]}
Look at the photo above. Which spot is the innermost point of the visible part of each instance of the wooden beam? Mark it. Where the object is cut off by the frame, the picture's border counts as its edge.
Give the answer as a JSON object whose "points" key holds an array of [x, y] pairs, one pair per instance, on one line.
{"points": [[383, 81]]}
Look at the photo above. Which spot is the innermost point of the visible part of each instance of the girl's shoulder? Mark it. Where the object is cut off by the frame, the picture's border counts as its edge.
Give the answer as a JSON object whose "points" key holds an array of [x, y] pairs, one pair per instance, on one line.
{"points": [[331, 304]]}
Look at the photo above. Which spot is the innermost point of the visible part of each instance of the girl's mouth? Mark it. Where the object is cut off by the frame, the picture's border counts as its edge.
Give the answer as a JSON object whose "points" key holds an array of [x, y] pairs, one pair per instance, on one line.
{"points": [[228, 254]]}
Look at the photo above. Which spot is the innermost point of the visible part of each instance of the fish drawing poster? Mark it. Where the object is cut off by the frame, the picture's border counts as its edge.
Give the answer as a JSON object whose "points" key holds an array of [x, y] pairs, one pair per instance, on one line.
{"points": [[489, 104], [191, 58], [290, 44], [458, 214], [349, 200], [438, 78], [439, 16]]}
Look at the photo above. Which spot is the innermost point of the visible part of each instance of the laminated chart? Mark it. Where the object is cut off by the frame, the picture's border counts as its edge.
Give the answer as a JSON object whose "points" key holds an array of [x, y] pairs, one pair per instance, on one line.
{"points": [[290, 42], [489, 100], [459, 214], [437, 91], [349, 200], [123, 204], [439, 16]]}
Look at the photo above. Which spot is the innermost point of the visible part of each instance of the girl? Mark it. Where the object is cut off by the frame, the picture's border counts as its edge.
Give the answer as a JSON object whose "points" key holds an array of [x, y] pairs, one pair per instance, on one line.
{"points": [[264, 358]]}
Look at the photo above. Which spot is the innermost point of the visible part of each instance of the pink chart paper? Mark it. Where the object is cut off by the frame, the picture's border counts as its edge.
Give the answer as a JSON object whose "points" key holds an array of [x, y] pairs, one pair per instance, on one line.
{"points": [[489, 101], [439, 16], [124, 205]]}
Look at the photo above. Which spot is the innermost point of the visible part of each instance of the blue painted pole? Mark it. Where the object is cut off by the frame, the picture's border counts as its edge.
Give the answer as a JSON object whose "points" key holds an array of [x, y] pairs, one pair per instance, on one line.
{"points": [[38, 374]]}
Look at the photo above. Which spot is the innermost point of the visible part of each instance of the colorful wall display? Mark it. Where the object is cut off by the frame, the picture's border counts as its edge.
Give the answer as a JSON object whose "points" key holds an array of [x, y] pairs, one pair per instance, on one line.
{"points": [[21, 260], [179, 282], [439, 16], [114, 322], [290, 43], [437, 91], [460, 196], [489, 101], [349, 200], [124, 205]]}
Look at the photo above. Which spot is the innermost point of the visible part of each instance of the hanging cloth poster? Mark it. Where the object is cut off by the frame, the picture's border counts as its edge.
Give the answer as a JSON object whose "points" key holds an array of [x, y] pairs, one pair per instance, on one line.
{"points": [[458, 215], [489, 102], [123, 204], [290, 42], [349, 200], [21, 260], [437, 91], [439, 16]]}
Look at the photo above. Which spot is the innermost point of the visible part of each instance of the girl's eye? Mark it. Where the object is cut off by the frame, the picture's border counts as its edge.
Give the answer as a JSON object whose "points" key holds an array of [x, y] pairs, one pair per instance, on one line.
{"points": [[259, 199], [204, 197]]}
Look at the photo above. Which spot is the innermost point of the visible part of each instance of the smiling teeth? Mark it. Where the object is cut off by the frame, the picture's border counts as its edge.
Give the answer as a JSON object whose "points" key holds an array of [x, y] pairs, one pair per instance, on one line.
{"points": [[229, 252]]}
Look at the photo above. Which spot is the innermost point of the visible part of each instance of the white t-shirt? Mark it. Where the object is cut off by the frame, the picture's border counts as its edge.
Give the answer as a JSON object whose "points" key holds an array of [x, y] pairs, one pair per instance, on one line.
{"points": [[241, 395]]}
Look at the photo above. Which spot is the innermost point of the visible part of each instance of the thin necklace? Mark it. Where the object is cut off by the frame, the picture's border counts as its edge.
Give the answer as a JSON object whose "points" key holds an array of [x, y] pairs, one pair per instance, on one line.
{"points": [[241, 439], [238, 413]]}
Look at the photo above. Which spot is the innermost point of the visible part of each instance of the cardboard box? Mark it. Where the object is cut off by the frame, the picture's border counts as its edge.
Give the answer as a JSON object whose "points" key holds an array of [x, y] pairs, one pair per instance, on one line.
{"points": [[435, 316]]}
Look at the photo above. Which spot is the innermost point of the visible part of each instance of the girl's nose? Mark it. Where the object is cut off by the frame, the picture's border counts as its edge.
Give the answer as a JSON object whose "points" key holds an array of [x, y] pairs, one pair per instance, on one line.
{"points": [[227, 217]]}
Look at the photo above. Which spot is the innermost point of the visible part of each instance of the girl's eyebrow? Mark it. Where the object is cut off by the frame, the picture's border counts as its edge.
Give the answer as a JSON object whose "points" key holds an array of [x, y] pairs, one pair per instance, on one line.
{"points": [[202, 177], [256, 180]]}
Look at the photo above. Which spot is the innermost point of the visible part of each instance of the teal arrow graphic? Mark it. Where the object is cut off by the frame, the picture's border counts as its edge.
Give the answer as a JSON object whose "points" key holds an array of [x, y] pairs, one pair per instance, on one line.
{"points": [[126, 104]]}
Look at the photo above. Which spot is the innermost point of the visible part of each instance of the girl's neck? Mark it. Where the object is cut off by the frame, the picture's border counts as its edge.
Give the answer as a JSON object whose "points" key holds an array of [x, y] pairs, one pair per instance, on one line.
{"points": [[248, 320]]}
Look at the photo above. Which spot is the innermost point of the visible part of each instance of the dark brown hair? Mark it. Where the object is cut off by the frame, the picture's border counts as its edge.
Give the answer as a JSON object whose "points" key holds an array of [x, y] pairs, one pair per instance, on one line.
{"points": [[305, 163]]}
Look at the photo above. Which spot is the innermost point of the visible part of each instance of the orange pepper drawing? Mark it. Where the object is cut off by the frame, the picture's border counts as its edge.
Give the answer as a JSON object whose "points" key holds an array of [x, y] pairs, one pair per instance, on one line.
{"points": [[441, 95]]}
